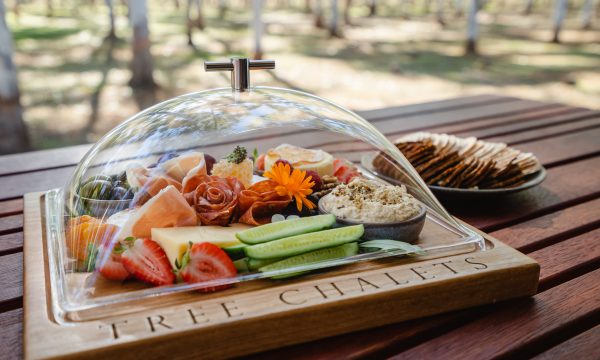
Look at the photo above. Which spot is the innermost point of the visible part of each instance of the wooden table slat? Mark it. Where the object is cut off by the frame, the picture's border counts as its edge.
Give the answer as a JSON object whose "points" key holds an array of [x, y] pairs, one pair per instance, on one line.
{"points": [[583, 346], [11, 207], [548, 229], [11, 334], [519, 326], [11, 278]]}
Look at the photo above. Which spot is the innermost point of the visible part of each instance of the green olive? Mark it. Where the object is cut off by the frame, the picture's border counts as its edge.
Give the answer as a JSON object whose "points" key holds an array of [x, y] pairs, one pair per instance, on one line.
{"points": [[97, 189], [97, 177]]}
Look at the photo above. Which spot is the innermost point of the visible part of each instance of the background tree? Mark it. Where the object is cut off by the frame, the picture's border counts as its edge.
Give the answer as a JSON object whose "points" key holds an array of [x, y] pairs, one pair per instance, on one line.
{"points": [[142, 65], [560, 12], [319, 23], [334, 29], [587, 13], [258, 27], [472, 28], [112, 34], [194, 22], [12, 128]]}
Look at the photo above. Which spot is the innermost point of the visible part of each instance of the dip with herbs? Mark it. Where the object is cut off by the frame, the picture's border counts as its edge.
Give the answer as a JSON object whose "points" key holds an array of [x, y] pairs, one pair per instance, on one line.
{"points": [[368, 201]]}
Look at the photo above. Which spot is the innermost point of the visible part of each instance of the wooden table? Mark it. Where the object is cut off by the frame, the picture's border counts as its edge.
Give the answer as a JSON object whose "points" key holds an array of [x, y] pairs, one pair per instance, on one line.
{"points": [[557, 224]]}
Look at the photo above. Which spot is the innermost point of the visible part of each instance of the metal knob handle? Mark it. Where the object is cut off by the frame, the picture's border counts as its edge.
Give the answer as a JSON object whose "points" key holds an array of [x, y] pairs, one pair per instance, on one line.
{"points": [[240, 70]]}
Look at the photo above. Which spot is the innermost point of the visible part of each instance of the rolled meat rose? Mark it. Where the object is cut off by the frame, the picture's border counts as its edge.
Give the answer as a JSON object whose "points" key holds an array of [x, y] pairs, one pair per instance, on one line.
{"points": [[215, 199], [260, 201]]}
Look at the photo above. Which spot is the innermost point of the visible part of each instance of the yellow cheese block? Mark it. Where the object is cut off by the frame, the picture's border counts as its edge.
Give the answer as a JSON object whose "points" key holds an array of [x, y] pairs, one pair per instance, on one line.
{"points": [[175, 240]]}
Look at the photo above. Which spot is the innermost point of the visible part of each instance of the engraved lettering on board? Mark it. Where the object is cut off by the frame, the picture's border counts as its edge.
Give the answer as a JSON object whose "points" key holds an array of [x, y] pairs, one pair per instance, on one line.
{"points": [[230, 310]]}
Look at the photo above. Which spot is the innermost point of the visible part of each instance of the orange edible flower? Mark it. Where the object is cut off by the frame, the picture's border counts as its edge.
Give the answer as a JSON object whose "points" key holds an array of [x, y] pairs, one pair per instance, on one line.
{"points": [[293, 183]]}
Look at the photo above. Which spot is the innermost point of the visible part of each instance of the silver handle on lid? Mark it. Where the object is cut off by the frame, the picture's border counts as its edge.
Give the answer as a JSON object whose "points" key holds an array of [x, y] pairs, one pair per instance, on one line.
{"points": [[240, 70]]}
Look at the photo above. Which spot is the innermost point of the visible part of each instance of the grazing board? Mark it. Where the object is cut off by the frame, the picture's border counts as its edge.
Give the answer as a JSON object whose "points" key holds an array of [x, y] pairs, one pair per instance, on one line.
{"points": [[265, 314]]}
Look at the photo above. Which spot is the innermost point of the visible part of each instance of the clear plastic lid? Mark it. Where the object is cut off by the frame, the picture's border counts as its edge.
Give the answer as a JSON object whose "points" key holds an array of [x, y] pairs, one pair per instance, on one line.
{"points": [[210, 189]]}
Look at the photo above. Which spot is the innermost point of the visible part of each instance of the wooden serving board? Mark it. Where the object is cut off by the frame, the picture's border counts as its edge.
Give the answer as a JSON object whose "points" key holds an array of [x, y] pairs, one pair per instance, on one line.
{"points": [[265, 314]]}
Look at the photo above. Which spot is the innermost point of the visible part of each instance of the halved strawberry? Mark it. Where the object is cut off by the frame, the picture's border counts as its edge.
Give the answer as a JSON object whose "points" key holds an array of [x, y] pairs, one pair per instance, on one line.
{"points": [[205, 262], [110, 265], [260, 162], [344, 170], [147, 261]]}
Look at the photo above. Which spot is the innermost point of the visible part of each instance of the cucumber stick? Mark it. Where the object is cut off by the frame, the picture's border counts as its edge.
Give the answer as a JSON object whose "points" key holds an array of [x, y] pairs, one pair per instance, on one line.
{"points": [[299, 244], [332, 253], [286, 228], [248, 264], [236, 251]]}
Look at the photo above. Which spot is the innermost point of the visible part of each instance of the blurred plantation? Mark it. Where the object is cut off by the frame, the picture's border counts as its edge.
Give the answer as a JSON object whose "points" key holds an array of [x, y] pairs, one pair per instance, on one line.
{"points": [[76, 80]]}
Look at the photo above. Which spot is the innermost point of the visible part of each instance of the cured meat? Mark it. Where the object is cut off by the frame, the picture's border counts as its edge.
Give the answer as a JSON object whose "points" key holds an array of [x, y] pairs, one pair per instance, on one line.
{"points": [[260, 201], [167, 209], [215, 199], [178, 167], [148, 181]]}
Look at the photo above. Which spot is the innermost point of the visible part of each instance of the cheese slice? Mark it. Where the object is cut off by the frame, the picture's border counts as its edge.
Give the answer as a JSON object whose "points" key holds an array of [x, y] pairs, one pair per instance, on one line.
{"points": [[175, 240], [304, 159]]}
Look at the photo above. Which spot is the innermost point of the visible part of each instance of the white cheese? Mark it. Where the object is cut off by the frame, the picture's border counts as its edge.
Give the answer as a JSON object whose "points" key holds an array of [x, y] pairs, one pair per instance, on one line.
{"points": [[174, 241]]}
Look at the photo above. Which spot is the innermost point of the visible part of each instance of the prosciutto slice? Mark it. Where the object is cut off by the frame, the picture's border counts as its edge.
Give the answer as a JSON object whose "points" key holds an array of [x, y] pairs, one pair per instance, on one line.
{"points": [[260, 201]]}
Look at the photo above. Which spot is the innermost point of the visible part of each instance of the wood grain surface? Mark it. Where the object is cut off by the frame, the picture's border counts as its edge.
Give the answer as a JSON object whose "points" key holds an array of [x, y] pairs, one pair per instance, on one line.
{"points": [[556, 223]]}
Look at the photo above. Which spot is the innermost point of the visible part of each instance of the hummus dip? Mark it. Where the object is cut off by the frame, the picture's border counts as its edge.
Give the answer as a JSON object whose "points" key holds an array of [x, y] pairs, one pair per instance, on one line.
{"points": [[368, 201]]}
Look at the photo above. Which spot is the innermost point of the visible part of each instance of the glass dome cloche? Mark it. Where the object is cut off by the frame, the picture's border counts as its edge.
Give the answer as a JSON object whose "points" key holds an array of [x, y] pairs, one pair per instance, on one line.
{"points": [[207, 190]]}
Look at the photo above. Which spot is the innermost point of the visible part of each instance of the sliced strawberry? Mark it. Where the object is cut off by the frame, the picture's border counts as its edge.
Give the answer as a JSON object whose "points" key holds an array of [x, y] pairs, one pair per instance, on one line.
{"points": [[260, 162], [344, 170], [147, 261], [205, 262], [110, 265]]}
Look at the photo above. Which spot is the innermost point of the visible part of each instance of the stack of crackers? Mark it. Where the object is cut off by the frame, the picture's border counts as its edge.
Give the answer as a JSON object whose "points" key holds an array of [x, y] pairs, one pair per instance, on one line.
{"points": [[450, 161]]}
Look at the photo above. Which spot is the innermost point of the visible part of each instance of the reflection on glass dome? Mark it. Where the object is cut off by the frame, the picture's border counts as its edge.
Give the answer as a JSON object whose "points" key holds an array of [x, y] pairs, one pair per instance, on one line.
{"points": [[214, 188]]}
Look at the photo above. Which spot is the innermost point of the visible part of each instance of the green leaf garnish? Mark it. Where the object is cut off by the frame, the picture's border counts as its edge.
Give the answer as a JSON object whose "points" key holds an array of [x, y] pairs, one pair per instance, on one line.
{"points": [[238, 155], [255, 155], [89, 264], [391, 245]]}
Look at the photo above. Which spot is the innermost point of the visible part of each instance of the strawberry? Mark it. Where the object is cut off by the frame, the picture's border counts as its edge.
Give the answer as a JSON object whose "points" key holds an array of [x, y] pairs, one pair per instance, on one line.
{"points": [[110, 265], [316, 179], [260, 162], [284, 162], [205, 262], [147, 262], [344, 170]]}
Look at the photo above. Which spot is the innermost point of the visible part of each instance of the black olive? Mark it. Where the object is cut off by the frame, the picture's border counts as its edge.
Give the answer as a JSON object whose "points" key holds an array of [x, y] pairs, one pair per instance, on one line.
{"points": [[210, 161], [119, 193]]}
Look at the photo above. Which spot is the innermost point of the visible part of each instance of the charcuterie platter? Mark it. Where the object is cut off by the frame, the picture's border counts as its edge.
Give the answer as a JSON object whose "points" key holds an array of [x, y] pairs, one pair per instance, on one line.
{"points": [[212, 224]]}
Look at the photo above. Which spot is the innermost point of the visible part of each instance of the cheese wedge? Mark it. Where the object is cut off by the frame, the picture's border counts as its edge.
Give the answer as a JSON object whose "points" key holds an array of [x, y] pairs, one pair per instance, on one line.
{"points": [[175, 241], [304, 159]]}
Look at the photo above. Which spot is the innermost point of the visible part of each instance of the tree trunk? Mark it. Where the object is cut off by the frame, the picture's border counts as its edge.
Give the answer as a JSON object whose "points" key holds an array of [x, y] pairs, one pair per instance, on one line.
{"points": [[347, 12], [333, 24], [307, 8], [112, 34], [372, 7], [49, 8], [319, 23], [13, 132], [142, 66], [258, 26], [587, 13], [560, 12], [192, 22], [222, 8], [472, 30], [439, 12], [528, 7], [458, 8]]}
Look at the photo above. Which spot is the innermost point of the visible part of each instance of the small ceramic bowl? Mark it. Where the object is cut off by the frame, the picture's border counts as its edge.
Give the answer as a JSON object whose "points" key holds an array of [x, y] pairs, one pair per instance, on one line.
{"points": [[407, 230]]}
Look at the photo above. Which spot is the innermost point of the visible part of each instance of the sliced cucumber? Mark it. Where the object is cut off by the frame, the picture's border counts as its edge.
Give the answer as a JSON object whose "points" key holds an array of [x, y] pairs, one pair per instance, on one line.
{"points": [[241, 265], [255, 264], [286, 228], [336, 252], [299, 244], [235, 251]]}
